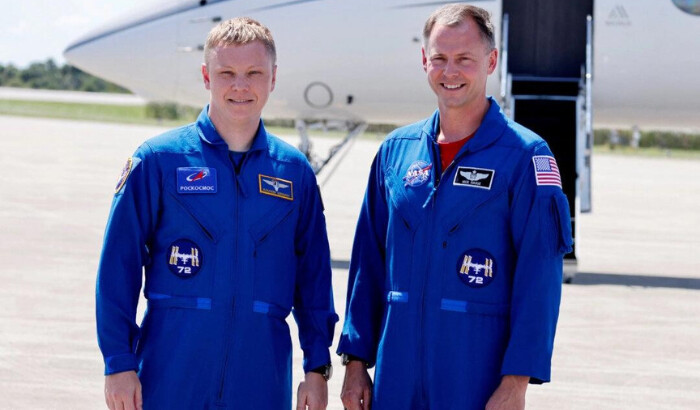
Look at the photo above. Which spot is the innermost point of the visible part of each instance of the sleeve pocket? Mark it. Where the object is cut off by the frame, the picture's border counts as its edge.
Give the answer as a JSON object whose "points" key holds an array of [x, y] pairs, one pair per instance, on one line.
{"points": [[562, 220]]}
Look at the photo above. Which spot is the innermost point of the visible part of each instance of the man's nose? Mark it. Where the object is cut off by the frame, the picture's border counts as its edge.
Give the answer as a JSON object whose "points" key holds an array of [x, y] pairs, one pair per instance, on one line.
{"points": [[450, 68], [240, 83]]}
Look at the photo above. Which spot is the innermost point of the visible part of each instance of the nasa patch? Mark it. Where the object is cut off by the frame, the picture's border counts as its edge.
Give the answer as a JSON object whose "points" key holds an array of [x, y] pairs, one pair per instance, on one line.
{"points": [[124, 175], [474, 177], [281, 188], [417, 174], [196, 180], [476, 268], [185, 258]]}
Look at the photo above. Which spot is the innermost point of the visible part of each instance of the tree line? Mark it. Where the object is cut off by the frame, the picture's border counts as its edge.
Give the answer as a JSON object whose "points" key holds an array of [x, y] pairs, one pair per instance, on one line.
{"points": [[48, 75]]}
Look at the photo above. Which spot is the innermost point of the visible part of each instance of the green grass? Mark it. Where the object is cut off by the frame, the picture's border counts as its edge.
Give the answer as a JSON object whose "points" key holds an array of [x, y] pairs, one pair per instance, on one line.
{"points": [[653, 152], [126, 114]]}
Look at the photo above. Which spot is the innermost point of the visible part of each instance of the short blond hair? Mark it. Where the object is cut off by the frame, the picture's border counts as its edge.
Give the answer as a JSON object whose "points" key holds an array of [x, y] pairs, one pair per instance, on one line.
{"points": [[237, 32], [452, 15]]}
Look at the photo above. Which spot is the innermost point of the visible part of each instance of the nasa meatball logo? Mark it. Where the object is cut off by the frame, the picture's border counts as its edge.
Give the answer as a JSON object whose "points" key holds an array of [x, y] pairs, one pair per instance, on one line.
{"points": [[184, 258], [476, 268], [417, 174]]}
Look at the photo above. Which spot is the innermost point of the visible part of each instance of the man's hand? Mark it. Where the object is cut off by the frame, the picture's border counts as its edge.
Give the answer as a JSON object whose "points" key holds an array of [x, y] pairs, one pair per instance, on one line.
{"points": [[510, 394], [357, 387], [123, 391], [312, 392]]}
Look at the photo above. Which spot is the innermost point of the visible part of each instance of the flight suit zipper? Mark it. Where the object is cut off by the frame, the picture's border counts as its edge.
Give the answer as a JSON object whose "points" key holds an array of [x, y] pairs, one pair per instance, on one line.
{"points": [[435, 154], [229, 322], [430, 222]]}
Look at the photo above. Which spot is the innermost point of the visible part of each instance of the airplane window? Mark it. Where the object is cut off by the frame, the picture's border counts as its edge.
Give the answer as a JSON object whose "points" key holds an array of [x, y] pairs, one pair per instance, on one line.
{"points": [[689, 6]]}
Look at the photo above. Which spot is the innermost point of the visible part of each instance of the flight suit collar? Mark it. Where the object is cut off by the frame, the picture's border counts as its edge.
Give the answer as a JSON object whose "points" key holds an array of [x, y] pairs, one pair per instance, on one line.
{"points": [[491, 128], [209, 134]]}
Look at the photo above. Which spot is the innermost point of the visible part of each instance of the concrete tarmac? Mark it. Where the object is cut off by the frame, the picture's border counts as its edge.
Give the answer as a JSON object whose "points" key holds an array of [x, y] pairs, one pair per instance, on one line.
{"points": [[628, 335]]}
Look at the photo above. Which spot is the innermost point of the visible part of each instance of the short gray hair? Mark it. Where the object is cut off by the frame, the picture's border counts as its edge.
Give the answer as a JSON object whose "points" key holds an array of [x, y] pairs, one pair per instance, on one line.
{"points": [[237, 32], [454, 14]]}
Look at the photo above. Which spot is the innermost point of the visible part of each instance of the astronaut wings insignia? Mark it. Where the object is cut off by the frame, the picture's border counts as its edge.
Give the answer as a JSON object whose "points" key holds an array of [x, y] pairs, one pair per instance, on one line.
{"points": [[275, 184], [474, 177], [278, 187]]}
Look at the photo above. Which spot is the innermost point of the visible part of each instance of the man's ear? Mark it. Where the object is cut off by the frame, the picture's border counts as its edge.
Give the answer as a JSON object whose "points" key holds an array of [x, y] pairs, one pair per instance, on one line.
{"points": [[493, 60], [425, 59], [274, 77], [205, 76]]}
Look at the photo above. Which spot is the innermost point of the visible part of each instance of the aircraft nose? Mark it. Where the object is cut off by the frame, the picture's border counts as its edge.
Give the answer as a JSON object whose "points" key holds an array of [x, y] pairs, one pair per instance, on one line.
{"points": [[139, 51], [132, 55]]}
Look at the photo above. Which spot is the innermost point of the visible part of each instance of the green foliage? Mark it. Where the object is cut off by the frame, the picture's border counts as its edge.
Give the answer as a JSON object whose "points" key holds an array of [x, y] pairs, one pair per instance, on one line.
{"points": [[49, 76], [648, 139], [170, 111], [131, 114]]}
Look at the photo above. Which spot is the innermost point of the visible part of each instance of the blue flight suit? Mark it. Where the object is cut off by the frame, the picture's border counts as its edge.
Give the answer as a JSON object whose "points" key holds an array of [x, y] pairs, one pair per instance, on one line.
{"points": [[455, 275], [227, 254]]}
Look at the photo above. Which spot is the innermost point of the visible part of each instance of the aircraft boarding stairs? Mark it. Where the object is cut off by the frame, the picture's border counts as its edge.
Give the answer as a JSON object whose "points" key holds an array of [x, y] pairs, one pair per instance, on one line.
{"points": [[558, 108]]}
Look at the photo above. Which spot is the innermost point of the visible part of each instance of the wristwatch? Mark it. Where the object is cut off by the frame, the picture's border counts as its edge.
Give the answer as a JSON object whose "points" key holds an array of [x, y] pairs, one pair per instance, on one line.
{"points": [[347, 358], [326, 371]]}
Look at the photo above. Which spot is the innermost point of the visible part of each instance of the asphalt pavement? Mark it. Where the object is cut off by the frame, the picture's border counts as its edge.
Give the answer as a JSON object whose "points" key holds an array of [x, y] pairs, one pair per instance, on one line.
{"points": [[628, 334]]}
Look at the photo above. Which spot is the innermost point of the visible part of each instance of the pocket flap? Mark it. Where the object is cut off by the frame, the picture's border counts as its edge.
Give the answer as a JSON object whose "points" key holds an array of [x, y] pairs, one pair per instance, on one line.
{"points": [[267, 223], [409, 212], [200, 218]]}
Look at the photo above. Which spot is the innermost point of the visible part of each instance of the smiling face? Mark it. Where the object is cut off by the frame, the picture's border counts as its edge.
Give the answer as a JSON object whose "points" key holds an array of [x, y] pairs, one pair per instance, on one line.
{"points": [[458, 61], [240, 79]]}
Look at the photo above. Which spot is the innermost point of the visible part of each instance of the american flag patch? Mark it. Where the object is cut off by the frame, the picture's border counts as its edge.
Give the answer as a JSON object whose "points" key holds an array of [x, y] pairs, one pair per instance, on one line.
{"points": [[546, 170]]}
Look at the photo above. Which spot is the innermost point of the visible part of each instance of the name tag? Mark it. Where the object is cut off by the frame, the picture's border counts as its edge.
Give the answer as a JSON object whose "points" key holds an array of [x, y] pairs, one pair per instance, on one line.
{"points": [[474, 177]]}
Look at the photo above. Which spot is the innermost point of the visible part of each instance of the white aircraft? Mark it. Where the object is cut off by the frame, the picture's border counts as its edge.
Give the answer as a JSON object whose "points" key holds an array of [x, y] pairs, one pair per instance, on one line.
{"points": [[632, 62], [360, 59]]}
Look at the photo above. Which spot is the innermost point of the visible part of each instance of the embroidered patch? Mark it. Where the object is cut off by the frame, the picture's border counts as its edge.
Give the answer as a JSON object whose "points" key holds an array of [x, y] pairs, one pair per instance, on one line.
{"points": [[476, 268], [125, 174], [417, 174], [474, 177], [196, 180], [278, 187], [546, 170], [185, 258]]}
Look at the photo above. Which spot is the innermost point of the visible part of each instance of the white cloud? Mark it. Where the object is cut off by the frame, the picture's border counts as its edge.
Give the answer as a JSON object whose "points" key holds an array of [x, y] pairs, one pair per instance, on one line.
{"points": [[19, 28], [72, 20]]}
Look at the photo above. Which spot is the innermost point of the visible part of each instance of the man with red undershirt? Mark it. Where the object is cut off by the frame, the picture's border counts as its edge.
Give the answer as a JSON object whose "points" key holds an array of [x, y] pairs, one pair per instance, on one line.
{"points": [[456, 270]]}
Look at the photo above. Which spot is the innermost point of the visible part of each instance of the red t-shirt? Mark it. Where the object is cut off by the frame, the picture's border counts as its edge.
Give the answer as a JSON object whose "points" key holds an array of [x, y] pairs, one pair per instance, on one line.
{"points": [[448, 150]]}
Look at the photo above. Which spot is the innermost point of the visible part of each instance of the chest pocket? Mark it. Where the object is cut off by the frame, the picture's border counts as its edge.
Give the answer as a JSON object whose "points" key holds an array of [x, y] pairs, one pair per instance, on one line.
{"points": [[184, 255], [274, 258], [406, 203]]}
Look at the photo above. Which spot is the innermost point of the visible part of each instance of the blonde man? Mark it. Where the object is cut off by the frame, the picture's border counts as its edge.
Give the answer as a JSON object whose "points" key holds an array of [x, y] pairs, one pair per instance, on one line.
{"points": [[228, 224]]}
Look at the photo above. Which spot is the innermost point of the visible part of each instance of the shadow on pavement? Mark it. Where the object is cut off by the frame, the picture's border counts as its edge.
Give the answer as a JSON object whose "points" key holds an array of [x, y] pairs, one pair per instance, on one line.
{"points": [[338, 264], [583, 278]]}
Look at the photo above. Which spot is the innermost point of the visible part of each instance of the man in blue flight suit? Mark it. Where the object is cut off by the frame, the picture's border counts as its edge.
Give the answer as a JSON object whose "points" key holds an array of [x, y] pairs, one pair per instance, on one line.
{"points": [[456, 270], [228, 222]]}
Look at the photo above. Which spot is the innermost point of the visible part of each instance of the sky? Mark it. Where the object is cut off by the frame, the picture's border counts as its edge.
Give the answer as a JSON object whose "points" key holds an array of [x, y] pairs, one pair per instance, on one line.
{"points": [[36, 30]]}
